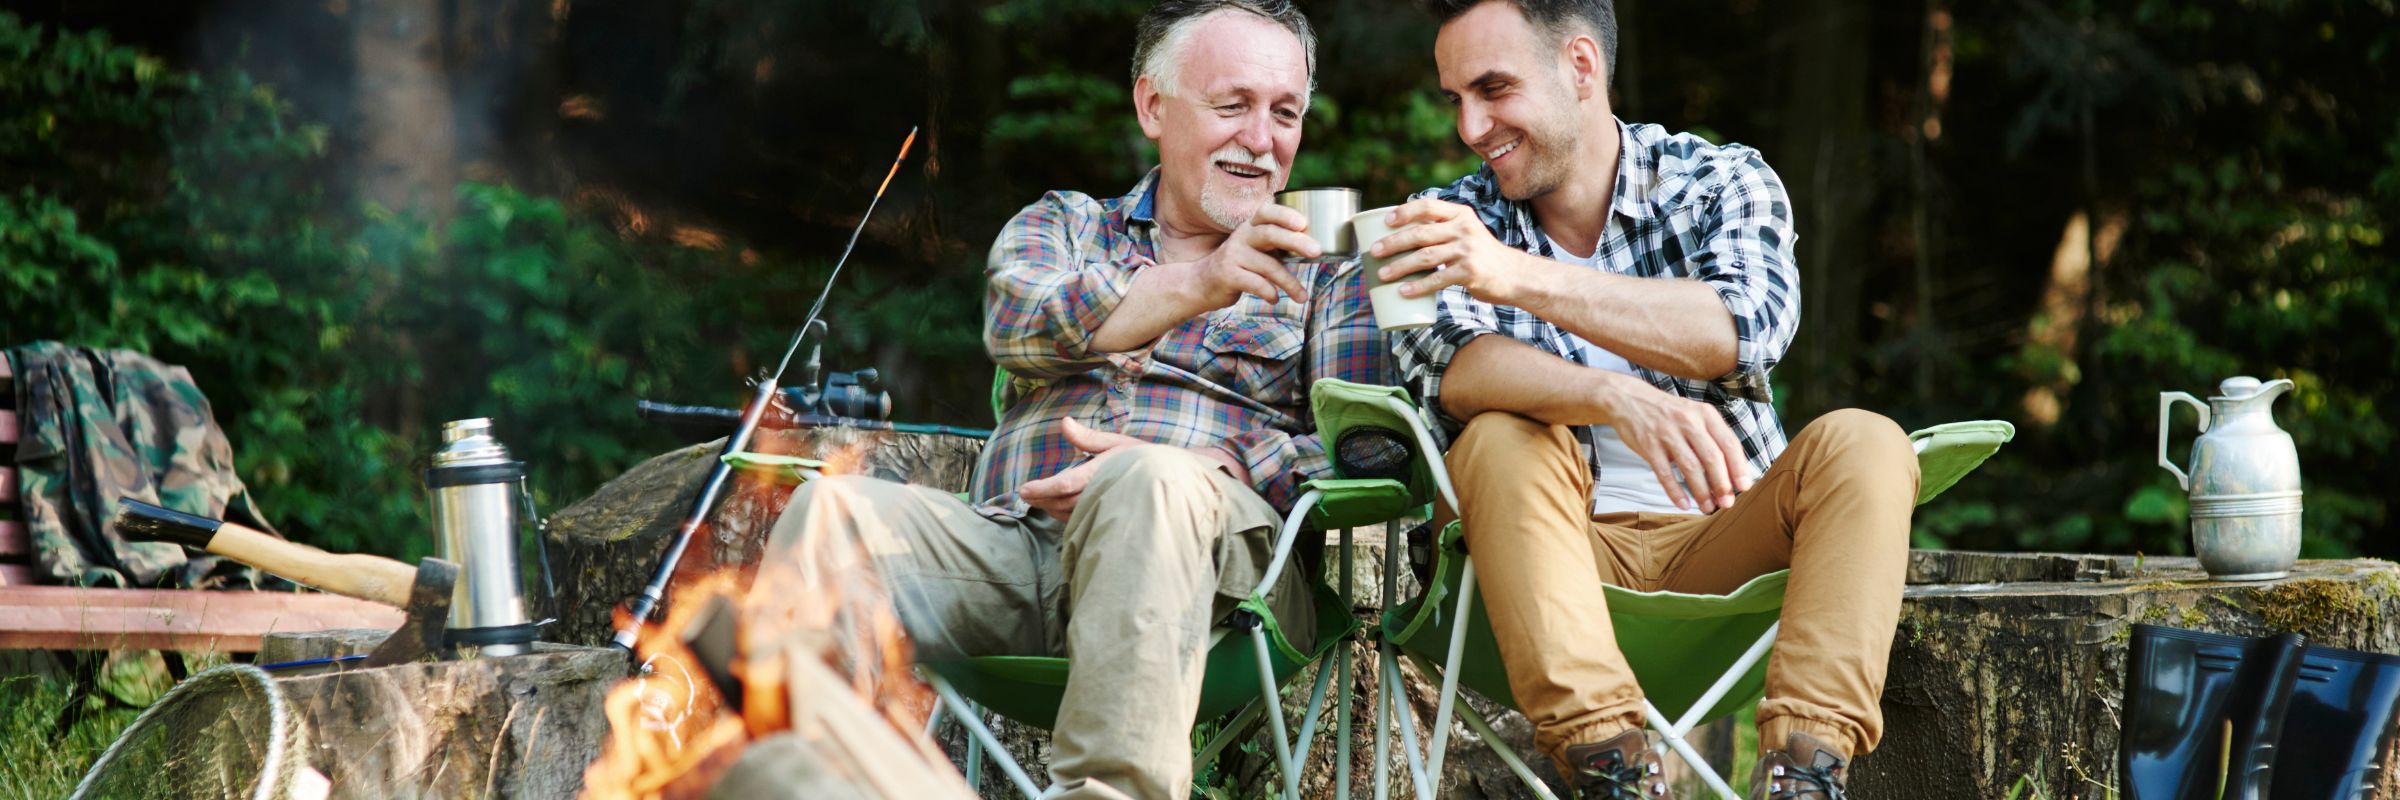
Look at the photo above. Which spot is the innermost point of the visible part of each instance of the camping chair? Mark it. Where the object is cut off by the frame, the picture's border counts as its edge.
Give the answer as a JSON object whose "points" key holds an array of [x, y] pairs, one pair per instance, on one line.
{"points": [[1698, 657], [1248, 662]]}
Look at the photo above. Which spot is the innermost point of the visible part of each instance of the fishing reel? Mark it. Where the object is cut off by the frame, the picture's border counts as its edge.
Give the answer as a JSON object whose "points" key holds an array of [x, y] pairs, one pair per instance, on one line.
{"points": [[857, 394]]}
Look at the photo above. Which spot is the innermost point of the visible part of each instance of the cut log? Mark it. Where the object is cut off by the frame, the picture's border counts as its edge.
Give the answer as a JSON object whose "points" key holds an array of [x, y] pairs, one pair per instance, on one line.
{"points": [[521, 727], [607, 546], [1994, 685]]}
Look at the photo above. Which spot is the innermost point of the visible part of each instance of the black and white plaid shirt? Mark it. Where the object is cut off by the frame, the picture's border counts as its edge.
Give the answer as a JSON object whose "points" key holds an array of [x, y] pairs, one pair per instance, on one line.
{"points": [[1684, 209]]}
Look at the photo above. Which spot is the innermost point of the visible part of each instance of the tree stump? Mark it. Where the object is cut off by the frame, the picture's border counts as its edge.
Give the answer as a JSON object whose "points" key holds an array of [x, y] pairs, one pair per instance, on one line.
{"points": [[606, 546], [517, 727], [2000, 684]]}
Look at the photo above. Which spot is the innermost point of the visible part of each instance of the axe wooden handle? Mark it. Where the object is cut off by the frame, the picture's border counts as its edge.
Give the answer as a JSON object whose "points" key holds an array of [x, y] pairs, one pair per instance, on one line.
{"points": [[365, 577], [372, 578]]}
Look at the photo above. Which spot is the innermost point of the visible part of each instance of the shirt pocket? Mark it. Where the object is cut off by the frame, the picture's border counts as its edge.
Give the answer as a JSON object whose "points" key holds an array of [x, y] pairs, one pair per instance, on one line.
{"points": [[1258, 357]]}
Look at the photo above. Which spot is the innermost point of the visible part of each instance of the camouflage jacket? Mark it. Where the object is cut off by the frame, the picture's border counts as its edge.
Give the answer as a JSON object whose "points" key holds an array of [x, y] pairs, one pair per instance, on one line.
{"points": [[96, 425]]}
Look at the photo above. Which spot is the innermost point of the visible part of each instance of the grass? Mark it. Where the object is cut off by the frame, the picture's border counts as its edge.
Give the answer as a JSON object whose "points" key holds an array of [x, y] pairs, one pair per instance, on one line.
{"points": [[35, 763]]}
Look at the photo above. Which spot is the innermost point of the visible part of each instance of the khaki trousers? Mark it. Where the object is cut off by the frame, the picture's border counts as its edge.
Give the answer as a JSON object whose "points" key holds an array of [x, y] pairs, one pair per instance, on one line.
{"points": [[1161, 545], [1834, 509]]}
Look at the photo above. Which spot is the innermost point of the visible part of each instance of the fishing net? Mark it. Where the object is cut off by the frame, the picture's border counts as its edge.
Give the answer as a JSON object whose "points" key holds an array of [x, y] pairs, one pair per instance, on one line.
{"points": [[224, 733]]}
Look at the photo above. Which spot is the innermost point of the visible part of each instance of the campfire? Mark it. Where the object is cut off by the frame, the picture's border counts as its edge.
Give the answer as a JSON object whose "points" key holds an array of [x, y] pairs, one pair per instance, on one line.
{"points": [[817, 663]]}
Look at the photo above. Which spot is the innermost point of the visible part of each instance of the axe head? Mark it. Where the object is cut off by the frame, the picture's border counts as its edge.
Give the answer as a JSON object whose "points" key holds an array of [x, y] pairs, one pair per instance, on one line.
{"points": [[427, 628]]}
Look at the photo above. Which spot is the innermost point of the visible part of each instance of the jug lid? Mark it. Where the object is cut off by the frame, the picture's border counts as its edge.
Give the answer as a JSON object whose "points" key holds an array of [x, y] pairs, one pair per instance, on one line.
{"points": [[469, 441], [2244, 387]]}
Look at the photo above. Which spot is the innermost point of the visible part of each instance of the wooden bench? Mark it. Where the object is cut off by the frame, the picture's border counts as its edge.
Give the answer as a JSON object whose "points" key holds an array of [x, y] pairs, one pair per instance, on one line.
{"points": [[74, 618]]}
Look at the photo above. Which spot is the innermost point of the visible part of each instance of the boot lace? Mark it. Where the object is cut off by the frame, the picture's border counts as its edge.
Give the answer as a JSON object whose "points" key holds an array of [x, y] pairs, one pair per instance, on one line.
{"points": [[1611, 778], [1795, 782]]}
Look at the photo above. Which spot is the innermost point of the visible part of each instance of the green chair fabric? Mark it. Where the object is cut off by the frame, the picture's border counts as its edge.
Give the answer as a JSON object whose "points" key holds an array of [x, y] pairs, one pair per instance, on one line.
{"points": [[1677, 643], [1028, 688], [1947, 452], [1341, 406]]}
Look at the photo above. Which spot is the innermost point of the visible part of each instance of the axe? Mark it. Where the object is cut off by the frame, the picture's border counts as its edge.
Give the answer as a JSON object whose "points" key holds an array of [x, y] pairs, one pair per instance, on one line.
{"points": [[424, 591]]}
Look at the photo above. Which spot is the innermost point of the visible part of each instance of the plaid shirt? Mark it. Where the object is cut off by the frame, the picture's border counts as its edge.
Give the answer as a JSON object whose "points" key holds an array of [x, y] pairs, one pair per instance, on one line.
{"points": [[1236, 378], [1683, 209]]}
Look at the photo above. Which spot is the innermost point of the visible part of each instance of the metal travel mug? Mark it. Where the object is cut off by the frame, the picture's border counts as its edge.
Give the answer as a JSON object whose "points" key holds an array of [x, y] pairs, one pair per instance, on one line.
{"points": [[1328, 211], [477, 493]]}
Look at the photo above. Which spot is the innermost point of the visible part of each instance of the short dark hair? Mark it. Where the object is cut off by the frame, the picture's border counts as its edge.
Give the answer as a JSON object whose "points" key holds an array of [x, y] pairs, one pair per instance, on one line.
{"points": [[1167, 17], [1557, 17]]}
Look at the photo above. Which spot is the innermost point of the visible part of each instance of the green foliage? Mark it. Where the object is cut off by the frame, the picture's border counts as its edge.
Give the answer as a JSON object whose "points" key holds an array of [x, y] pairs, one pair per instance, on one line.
{"points": [[332, 339], [37, 760], [2257, 244]]}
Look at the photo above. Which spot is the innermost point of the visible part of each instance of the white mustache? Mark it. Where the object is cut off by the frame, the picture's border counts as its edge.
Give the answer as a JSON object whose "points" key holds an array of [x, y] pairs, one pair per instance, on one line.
{"points": [[1237, 154]]}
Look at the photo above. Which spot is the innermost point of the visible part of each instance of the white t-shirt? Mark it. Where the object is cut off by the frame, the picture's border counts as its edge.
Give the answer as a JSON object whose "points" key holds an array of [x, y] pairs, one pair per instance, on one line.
{"points": [[1625, 482]]}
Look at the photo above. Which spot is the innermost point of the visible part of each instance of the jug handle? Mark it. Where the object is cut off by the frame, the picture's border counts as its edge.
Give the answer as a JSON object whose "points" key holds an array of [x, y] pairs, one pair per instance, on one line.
{"points": [[2166, 405]]}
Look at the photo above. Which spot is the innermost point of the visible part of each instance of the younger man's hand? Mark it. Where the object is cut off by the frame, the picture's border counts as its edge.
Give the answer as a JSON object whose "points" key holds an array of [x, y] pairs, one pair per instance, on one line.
{"points": [[1680, 438], [1450, 236]]}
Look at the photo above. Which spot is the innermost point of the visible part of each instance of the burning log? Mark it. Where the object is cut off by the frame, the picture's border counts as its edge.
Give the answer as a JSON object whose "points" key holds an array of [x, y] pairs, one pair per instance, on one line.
{"points": [[806, 690]]}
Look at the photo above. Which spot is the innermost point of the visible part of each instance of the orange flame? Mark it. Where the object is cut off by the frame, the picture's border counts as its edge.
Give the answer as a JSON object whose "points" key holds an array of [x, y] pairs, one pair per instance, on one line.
{"points": [[672, 734]]}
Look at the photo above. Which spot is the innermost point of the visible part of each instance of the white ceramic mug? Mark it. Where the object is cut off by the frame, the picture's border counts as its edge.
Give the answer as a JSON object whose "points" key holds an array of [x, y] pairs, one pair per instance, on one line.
{"points": [[1392, 311]]}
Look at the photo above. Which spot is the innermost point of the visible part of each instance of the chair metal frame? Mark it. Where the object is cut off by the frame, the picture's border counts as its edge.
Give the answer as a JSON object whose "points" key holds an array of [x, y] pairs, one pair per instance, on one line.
{"points": [[1426, 768], [1288, 754], [1391, 709]]}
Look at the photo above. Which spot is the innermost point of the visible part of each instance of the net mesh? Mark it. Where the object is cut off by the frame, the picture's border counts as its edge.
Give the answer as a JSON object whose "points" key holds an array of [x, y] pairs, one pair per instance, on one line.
{"points": [[224, 733], [1373, 452]]}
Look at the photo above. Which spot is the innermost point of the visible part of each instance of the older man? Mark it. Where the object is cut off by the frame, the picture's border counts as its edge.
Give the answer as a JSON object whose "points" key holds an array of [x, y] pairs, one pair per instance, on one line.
{"points": [[1159, 355], [1613, 297]]}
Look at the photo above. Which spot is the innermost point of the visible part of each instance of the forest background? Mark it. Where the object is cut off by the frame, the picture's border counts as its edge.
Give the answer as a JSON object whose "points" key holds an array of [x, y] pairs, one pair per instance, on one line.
{"points": [[354, 219]]}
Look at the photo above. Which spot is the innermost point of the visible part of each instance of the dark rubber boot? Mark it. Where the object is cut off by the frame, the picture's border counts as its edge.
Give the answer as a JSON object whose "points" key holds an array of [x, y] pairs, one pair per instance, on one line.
{"points": [[2339, 725], [2182, 689]]}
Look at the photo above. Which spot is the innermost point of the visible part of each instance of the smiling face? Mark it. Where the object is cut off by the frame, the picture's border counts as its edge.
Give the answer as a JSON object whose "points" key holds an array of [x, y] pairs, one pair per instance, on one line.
{"points": [[1229, 124], [1519, 91]]}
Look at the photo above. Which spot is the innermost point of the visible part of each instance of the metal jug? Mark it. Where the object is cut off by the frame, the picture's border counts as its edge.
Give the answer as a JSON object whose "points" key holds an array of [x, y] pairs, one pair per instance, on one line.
{"points": [[2244, 481], [478, 494]]}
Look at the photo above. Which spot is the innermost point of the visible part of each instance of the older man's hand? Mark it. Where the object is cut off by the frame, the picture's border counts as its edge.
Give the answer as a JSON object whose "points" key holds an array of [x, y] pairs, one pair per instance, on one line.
{"points": [[1059, 494], [1251, 262]]}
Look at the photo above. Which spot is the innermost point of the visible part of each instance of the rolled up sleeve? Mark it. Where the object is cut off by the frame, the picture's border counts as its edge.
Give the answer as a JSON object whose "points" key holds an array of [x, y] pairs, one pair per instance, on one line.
{"points": [[1053, 282], [1423, 355], [1747, 258]]}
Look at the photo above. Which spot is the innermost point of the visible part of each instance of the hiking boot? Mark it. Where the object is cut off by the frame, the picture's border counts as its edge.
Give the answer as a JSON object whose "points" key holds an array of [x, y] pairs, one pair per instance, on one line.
{"points": [[1806, 768], [1622, 768]]}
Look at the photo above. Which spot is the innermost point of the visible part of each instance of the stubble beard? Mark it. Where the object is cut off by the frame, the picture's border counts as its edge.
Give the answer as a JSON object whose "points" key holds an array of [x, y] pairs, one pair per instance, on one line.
{"points": [[1228, 206], [1549, 144]]}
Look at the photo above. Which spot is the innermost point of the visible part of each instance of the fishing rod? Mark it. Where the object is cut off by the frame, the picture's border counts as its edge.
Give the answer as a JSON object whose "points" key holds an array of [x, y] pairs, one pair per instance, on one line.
{"points": [[646, 604]]}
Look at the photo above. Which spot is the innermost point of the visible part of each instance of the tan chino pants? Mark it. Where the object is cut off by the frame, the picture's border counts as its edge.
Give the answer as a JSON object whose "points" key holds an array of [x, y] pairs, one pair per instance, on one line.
{"points": [[1834, 509], [1161, 545]]}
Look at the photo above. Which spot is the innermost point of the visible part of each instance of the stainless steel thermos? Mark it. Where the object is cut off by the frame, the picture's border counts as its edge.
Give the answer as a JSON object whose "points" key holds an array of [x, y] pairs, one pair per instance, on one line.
{"points": [[478, 496]]}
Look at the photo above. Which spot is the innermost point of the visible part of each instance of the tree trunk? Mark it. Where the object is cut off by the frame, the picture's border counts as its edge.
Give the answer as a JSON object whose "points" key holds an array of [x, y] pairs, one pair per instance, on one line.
{"points": [[518, 727], [1824, 165], [404, 107], [606, 547], [1993, 684]]}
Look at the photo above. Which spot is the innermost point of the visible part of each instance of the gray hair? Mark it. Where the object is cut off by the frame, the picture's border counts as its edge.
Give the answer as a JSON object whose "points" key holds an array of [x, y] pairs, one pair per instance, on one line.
{"points": [[1167, 27]]}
